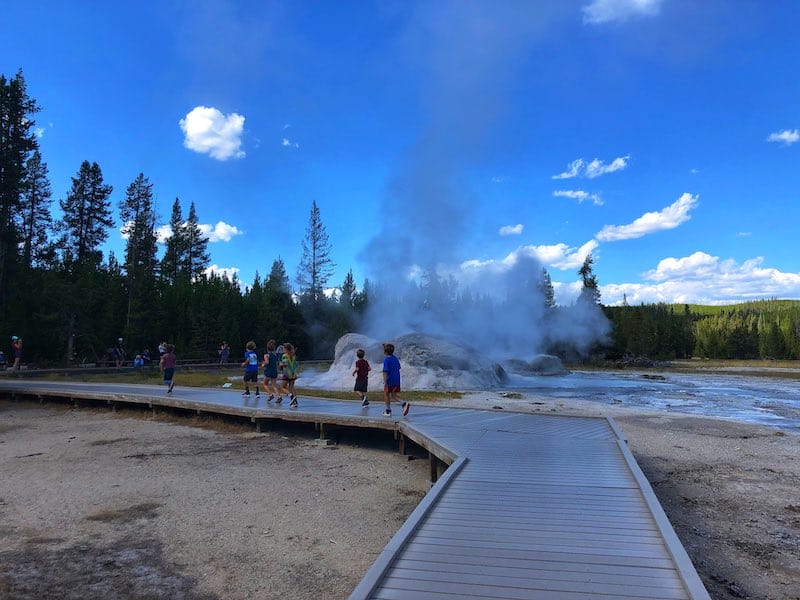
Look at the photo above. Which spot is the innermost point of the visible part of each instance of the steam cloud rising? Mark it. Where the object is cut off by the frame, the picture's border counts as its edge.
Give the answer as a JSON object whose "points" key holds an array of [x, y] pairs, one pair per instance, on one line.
{"points": [[471, 51]]}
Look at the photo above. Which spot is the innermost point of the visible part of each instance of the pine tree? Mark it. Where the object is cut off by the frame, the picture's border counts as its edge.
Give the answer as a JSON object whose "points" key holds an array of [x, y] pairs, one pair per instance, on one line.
{"points": [[348, 290], [87, 216], [17, 141], [171, 262], [34, 216], [139, 218], [316, 266], [195, 258], [546, 289], [278, 280], [589, 291]]}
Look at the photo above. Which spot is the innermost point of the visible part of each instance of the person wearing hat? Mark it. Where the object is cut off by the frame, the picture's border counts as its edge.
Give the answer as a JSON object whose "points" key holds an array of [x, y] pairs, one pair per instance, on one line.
{"points": [[16, 351]]}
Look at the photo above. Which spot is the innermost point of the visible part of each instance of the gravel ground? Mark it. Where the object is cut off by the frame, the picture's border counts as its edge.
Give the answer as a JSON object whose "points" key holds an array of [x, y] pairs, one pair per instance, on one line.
{"points": [[95, 504]]}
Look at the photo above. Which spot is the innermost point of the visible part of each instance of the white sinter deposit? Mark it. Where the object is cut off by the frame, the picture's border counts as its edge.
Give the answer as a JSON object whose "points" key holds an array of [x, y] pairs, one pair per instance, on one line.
{"points": [[427, 363]]}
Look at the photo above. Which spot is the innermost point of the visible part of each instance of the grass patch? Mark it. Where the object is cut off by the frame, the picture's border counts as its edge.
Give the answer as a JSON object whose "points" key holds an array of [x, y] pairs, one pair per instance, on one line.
{"points": [[216, 378]]}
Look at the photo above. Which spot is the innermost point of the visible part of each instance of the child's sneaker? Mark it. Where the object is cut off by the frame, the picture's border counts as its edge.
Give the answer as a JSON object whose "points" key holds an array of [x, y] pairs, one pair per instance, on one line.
{"points": [[406, 408], [293, 402], [258, 395], [387, 413], [245, 393], [271, 398], [279, 400], [171, 385], [365, 402]]}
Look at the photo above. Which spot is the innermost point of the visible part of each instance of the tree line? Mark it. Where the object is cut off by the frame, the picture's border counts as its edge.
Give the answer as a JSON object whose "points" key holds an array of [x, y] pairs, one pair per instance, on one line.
{"points": [[763, 329], [70, 303]]}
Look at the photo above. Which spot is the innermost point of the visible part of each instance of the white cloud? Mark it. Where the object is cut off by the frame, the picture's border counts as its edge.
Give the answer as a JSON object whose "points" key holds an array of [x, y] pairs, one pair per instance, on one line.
{"points": [[705, 279], [667, 218], [39, 132], [208, 131], [226, 272], [744, 234], [573, 169], [511, 229], [605, 11], [287, 143], [559, 256], [163, 233], [499, 179], [580, 196], [221, 232], [593, 168], [597, 167], [786, 137]]}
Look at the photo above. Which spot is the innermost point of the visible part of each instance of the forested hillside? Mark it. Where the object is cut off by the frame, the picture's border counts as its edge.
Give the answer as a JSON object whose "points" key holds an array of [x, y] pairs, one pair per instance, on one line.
{"points": [[766, 329]]}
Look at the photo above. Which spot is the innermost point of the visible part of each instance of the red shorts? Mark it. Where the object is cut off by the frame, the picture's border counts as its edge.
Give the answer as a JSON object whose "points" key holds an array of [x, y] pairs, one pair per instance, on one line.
{"points": [[392, 389]]}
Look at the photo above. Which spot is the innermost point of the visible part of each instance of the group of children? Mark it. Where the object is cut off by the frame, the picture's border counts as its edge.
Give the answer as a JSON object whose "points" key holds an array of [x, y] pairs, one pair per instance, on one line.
{"points": [[391, 379], [283, 359]]}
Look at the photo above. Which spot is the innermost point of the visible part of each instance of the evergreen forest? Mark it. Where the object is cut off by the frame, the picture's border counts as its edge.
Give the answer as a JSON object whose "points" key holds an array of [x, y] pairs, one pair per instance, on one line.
{"points": [[69, 302]]}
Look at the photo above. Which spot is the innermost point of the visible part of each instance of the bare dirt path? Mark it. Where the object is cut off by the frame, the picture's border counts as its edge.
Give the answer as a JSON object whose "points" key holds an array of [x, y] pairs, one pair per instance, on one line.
{"points": [[95, 504]]}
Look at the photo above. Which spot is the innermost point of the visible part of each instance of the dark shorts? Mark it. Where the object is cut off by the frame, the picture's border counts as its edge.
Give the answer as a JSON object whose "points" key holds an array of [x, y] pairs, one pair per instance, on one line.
{"points": [[361, 384], [248, 376], [270, 373], [392, 389], [169, 374]]}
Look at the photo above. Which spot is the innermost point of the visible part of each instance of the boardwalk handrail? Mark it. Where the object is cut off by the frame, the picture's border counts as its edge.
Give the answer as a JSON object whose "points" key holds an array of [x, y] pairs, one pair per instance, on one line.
{"points": [[387, 556]]}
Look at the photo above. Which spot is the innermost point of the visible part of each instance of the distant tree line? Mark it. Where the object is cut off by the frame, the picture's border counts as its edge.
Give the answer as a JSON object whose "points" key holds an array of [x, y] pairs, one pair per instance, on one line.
{"points": [[70, 303], [764, 329]]}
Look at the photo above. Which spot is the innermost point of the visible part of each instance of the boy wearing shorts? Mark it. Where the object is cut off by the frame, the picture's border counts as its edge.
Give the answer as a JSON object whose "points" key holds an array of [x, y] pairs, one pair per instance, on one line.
{"points": [[250, 366], [361, 373], [391, 381]]}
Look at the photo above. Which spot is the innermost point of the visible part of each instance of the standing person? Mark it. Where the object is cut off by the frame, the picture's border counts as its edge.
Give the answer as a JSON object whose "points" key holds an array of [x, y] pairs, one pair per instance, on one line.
{"points": [[289, 364], [119, 353], [16, 352], [250, 366], [391, 381], [270, 364], [167, 366], [224, 353], [361, 373]]}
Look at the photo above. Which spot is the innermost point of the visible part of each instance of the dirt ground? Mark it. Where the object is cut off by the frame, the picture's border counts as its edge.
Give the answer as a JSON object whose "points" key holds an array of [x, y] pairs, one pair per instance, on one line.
{"points": [[102, 505], [95, 504]]}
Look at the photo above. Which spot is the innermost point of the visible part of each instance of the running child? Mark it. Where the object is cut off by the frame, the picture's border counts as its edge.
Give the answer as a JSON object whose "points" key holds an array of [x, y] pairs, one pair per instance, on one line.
{"points": [[289, 364], [167, 366], [250, 366], [361, 373], [270, 364], [391, 381]]}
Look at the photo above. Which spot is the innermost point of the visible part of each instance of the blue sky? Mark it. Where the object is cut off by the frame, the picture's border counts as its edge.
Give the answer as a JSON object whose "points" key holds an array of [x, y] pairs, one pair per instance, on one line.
{"points": [[662, 136]]}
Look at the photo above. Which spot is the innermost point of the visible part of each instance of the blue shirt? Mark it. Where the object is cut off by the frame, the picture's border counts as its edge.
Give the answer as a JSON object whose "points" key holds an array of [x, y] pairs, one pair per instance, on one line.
{"points": [[391, 366], [251, 358]]}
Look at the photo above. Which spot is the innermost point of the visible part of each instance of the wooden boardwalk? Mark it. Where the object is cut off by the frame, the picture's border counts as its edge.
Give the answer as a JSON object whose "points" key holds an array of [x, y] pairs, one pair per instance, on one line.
{"points": [[530, 506]]}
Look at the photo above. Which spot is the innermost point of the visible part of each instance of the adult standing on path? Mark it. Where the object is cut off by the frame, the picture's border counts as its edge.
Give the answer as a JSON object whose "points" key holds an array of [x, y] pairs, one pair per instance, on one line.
{"points": [[16, 351], [224, 353], [119, 353]]}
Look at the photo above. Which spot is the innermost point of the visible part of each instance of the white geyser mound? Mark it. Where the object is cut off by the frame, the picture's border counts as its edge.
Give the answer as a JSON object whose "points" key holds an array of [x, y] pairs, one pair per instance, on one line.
{"points": [[427, 363]]}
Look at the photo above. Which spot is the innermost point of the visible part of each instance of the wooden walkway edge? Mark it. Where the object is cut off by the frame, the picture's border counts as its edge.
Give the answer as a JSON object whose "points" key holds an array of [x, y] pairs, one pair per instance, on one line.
{"points": [[527, 506]]}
